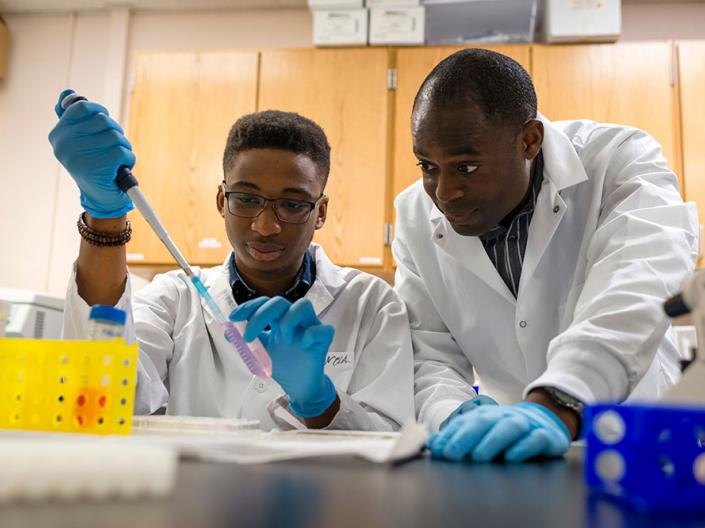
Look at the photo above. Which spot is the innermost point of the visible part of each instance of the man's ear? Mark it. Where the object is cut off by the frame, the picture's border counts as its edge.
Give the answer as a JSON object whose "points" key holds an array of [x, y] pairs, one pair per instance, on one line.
{"points": [[532, 138], [322, 212], [220, 201]]}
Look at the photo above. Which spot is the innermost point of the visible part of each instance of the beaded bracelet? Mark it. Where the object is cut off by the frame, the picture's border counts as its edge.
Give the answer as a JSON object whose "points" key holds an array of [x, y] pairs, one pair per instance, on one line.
{"points": [[101, 238]]}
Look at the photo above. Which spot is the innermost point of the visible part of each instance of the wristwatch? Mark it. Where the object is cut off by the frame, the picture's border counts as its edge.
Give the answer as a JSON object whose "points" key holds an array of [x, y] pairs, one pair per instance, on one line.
{"points": [[563, 399]]}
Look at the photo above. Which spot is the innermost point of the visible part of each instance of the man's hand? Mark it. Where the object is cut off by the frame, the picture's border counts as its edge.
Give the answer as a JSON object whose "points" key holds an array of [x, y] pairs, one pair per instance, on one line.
{"points": [[92, 147], [520, 432], [468, 406], [298, 343]]}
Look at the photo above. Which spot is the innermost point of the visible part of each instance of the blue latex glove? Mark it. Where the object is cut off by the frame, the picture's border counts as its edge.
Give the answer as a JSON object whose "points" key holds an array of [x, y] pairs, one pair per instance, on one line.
{"points": [[468, 406], [522, 431], [92, 147], [298, 343]]}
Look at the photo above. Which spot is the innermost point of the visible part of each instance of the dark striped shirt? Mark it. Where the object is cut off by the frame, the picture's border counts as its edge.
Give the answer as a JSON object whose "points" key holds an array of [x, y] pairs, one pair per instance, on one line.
{"points": [[302, 283], [506, 245]]}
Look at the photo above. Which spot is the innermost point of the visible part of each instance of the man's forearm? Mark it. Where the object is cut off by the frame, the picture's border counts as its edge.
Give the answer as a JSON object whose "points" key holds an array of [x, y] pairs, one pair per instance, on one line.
{"points": [[101, 272]]}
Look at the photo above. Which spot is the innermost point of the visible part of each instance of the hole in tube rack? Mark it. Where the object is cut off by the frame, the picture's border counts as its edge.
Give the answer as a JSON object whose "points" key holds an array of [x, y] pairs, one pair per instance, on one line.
{"points": [[61, 398], [58, 418], [64, 360], [107, 360], [667, 467], [62, 379], [121, 421], [79, 419], [664, 436], [700, 435], [102, 400], [126, 362], [105, 380], [123, 401], [100, 421], [81, 400], [609, 427], [609, 465], [124, 382]]}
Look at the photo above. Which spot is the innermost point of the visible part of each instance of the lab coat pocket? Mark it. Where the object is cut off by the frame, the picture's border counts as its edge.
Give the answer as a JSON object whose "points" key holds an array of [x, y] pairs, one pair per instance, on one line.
{"points": [[339, 367]]}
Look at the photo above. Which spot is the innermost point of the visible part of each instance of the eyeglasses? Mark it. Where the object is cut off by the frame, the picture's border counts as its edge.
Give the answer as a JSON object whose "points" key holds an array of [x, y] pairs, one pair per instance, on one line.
{"points": [[246, 205]]}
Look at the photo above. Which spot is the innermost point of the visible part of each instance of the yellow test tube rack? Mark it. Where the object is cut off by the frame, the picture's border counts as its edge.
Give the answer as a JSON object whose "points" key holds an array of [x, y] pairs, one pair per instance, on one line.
{"points": [[67, 386]]}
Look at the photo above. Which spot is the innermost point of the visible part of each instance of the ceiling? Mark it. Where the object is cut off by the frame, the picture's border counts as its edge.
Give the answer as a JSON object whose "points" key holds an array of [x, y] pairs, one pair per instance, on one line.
{"points": [[20, 6], [24, 6]]}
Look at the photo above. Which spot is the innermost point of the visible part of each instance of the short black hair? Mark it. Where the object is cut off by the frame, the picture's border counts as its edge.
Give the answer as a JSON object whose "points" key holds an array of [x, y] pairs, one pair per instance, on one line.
{"points": [[274, 129], [498, 85]]}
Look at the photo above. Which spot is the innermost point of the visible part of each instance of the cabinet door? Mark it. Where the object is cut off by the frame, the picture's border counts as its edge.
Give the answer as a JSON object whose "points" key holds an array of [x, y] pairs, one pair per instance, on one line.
{"points": [[692, 80], [182, 108], [630, 84], [345, 92], [413, 65]]}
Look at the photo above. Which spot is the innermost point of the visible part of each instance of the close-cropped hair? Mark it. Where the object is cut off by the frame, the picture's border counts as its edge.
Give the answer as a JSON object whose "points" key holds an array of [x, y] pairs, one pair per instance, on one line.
{"points": [[274, 129], [500, 87]]}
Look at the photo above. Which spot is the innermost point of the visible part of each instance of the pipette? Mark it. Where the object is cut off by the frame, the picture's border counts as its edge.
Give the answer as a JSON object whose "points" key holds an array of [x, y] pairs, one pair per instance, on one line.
{"points": [[253, 354]]}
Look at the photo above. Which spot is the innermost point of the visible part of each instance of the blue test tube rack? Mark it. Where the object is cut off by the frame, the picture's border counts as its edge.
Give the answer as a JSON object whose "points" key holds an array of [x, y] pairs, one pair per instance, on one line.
{"points": [[651, 457]]}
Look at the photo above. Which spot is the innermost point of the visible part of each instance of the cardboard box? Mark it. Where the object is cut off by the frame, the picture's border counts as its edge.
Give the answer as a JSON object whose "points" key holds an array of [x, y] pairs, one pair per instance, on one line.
{"points": [[582, 20], [397, 25], [4, 47], [340, 27]]}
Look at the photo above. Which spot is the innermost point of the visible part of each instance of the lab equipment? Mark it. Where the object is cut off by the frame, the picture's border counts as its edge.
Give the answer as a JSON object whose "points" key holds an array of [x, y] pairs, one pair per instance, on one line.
{"points": [[33, 314], [67, 386], [299, 342], [106, 322], [36, 468], [253, 354], [5, 308], [521, 431]]}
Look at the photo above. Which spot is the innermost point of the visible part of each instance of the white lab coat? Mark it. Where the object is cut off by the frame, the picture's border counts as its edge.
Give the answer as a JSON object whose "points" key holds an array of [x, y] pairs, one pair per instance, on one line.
{"points": [[609, 241], [186, 364]]}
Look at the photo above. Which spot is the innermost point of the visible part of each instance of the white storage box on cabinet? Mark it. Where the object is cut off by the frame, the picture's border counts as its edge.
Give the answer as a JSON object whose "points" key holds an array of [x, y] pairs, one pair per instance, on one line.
{"points": [[340, 27], [582, 20], [397, 25]]}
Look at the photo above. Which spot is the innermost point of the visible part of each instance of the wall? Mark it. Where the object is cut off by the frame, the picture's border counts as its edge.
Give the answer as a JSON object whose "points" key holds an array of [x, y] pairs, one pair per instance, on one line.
{"points": [[39, 202]]}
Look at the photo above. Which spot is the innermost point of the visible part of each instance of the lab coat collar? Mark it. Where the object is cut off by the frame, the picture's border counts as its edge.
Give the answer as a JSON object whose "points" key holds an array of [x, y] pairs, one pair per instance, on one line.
{"points": [[561, 164], [329, 280]]}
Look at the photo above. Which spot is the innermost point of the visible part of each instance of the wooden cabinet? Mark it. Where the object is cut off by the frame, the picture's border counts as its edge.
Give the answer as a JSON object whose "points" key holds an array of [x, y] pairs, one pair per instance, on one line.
{"points": [[182, 108], [413, 65], [626, 83], [692, 80], [345, 91]]}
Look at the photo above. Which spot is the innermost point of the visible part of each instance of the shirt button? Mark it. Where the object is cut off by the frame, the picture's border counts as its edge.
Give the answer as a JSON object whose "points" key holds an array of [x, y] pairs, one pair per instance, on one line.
{"points": [[439, 236], [556, 209], [522, 324], [260, 386]]}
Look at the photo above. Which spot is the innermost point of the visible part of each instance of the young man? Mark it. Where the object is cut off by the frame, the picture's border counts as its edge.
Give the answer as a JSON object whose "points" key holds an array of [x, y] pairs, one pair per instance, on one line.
{"points": [[338, 338], [538, 253]]}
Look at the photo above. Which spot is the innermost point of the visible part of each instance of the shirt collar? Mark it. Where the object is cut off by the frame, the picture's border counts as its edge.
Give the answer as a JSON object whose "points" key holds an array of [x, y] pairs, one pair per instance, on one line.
{"points": [[302, 283]]}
